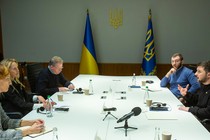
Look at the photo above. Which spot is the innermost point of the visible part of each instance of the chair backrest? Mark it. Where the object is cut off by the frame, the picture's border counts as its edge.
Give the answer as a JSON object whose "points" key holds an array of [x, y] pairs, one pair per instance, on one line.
{"points": [[33, 71], [193, 67]]}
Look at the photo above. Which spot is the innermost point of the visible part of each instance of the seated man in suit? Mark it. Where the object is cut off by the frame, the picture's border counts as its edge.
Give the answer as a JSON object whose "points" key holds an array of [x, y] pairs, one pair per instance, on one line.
{"points": [[200, 102], [51, 80], [181, 75]]}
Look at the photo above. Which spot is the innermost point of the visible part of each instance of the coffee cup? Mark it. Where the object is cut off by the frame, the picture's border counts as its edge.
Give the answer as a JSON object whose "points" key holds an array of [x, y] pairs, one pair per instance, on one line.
{"points": [[149, 102], [86, 91], [60, 97], [143, 83], [166, 135]]}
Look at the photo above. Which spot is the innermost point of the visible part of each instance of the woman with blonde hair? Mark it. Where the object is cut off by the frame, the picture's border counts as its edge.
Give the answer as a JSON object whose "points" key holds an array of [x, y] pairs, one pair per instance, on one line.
{"points": [[17, 99], [7, 125]]}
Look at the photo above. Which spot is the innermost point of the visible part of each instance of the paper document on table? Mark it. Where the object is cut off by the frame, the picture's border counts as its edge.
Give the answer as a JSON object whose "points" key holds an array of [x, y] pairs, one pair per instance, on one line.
{"points": [[59, 105], [161, 115], [46, 130], [152, 89]]}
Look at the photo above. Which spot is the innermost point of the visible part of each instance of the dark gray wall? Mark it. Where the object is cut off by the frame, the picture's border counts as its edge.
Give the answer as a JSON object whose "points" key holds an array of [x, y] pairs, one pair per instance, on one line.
{"points": [[35, 30]]}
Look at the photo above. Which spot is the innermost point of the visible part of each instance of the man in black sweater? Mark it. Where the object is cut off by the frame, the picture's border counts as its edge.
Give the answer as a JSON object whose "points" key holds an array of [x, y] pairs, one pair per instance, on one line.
{"points": [[200, 102], [51, 79]]}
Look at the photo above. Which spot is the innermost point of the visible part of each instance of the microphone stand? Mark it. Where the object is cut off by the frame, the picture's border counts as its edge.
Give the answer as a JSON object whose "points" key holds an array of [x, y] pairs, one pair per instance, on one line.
{"points": [[109, 113], [125, 127]]}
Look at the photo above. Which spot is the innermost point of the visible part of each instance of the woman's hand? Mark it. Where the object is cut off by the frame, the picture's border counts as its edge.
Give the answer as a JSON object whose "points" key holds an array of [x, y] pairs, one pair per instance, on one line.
{"points": [[34, 129], [41, 99], [31, 122], [38, 121]]}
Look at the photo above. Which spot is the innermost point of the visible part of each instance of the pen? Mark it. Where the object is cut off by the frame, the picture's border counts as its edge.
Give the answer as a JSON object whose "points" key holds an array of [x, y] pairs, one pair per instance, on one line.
{"points": [[53, 101]]}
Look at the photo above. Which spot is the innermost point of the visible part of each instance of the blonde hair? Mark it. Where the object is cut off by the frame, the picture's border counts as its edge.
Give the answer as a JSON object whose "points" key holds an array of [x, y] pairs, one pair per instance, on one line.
{"points": [[4, 72], [8, 63]]}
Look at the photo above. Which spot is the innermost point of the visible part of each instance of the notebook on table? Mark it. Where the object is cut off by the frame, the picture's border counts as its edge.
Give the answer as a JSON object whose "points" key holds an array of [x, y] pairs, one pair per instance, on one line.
{"points": [[46, 130]]}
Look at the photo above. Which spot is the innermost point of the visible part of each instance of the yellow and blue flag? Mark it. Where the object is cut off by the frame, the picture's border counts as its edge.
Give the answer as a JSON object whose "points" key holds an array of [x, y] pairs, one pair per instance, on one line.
{"points": [[88, 62], [149, 58]]}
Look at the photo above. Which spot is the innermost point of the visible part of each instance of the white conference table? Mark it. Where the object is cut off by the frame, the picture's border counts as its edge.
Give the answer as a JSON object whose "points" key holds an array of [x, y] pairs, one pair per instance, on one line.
{"points": [[84, 121]]}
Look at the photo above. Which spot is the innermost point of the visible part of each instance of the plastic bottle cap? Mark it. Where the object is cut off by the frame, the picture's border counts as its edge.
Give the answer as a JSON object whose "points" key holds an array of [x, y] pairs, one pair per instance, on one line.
{"points": [[146, 86], [48, 96]]}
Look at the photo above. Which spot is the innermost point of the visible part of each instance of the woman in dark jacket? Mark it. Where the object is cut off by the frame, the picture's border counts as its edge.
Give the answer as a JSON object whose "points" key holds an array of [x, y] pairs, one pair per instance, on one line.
{"points": [[7, 125], [16, 99]]}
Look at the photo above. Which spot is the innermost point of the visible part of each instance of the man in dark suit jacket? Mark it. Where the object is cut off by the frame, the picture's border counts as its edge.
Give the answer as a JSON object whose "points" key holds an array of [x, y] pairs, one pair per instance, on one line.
{"points": [[51, 79]]}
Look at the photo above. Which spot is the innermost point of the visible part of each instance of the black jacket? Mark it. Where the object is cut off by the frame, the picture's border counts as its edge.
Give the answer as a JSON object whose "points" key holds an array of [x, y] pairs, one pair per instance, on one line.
{"points": [[48, 83], [16, 99], [200, 102]]}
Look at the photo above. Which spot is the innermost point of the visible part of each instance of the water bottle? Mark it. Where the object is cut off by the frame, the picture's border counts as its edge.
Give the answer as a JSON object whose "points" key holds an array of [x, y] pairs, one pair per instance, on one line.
{"points": [[134, 79], [90, 86], [110, 89], [146, 95], [55, 133], [157, 133], [49, 107]]}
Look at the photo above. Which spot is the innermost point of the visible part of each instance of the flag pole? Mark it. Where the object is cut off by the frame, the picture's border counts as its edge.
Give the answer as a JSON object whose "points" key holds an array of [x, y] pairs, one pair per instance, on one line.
{"points": [[88, 62], [149, 58]]}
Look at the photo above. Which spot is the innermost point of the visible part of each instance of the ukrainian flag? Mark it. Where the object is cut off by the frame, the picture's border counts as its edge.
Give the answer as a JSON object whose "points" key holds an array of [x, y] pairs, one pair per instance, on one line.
{"points": [[149, 58], [88, 62]]}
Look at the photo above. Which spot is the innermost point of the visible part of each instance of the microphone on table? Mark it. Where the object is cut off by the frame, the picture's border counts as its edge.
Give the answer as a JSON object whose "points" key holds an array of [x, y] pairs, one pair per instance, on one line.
{"points": [[110, 109], [134, 112], [40, 109], [79, 89]]}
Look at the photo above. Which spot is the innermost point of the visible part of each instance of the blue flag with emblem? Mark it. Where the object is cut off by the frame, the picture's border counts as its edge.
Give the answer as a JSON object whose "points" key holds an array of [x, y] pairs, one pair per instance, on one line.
{"points": [[149, 59], [88, 62]]}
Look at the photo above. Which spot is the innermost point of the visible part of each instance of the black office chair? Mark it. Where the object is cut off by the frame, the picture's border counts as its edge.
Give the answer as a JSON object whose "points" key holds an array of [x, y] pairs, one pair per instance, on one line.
{"points": [[193, 67], [33, 71], [12, 115]]}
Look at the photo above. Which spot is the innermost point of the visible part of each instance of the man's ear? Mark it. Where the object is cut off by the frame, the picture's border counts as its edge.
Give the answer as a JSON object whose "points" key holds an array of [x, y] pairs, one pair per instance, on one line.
{"points": [[208, 74]]}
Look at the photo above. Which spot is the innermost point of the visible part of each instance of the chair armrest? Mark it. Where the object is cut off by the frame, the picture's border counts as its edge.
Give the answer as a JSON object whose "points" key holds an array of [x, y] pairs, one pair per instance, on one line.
{"points": [[14, 115]]}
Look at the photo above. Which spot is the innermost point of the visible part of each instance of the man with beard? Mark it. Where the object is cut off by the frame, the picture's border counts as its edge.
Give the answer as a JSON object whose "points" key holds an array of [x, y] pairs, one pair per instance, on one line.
{"points": [[181, 75], [200, 102]]}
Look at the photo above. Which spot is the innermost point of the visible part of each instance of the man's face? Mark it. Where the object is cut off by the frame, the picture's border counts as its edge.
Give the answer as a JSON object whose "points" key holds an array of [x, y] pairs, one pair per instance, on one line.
{"points": [[57, 68], [201, 74], [176, 62]]}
